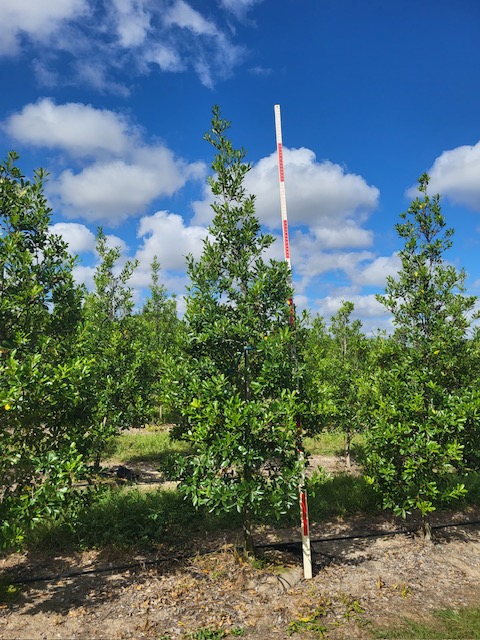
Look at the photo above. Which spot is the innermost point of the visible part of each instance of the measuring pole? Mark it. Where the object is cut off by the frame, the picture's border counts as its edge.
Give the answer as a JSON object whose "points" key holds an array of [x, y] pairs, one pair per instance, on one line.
{"points": [[306, 548]]}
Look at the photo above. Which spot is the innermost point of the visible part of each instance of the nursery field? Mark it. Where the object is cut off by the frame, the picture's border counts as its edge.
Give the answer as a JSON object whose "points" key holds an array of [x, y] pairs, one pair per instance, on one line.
{"points": [[141, 563]]}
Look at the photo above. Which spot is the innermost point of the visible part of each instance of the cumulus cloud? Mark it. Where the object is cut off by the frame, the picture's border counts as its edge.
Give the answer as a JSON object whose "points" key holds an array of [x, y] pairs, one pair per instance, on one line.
{"points": [[81, 239], [77, 128], [37, 20], [124, 177], [327, 208], [377, 271], [102, 39], [117, 189], [455, 175], [166, 236], [78, 237], [321, 195], [365, 306], [318, 193]]}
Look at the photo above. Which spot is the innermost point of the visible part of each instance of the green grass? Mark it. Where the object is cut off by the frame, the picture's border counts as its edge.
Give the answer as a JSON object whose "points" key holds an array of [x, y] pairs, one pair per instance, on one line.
{"points": [[341, 495], [129, 518], [331, 443], [152, 446], [446, 624]]}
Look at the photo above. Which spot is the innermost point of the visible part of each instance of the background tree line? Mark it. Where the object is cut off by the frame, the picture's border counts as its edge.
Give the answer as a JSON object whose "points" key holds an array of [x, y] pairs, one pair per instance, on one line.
{"points": [[242, 383]]}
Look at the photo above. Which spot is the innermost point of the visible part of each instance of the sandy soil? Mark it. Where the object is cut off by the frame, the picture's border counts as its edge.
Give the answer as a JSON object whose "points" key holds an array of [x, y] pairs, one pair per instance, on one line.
{"points": [[358, 582]]}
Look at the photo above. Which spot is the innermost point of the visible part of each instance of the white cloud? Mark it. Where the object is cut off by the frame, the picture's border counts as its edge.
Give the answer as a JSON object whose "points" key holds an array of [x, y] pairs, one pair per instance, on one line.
{"points": [[84, 275], [376, 272], [182, 15], [455, 174], [132, 22], [347, 235], [238, 7], [127, 173], [117, 189], [368, 310], [311, 261], [166, 236], [201, 45], [166, 57], [318, 193], [38, 20], [365, 306], [104, 39], [76, 128], [78, 237]]}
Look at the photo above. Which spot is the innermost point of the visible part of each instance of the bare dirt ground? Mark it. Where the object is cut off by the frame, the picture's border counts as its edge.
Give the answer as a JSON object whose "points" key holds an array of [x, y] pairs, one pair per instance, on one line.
{"points": [[358, 583]]}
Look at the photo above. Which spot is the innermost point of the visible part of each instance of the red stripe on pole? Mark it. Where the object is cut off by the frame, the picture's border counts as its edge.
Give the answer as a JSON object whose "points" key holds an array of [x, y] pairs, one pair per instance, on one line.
{"points": [[280, 162], [285, 240], [304, 514]]}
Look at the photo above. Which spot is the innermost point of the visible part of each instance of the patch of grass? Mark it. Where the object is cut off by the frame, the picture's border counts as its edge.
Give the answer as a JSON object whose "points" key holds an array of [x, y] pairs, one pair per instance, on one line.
{"points": [[332, 443], [129, 518], [153, 446], [446, 624], [341, 495]]}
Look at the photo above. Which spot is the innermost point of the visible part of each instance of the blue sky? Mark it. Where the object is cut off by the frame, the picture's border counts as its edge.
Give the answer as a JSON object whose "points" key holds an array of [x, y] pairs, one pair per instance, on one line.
{"points": [[113, 97]]}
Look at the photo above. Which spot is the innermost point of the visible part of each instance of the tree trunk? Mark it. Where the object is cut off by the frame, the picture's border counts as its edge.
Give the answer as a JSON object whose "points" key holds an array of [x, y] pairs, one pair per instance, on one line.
{"points": [[348, 457], [248, 548]]}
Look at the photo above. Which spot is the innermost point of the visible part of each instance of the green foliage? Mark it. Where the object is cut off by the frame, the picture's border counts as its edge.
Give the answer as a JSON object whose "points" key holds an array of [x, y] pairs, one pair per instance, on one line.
{"points": [[125, 349], [235, 386], [420, 394], [41, 375], [336, 362], [126, 517]]}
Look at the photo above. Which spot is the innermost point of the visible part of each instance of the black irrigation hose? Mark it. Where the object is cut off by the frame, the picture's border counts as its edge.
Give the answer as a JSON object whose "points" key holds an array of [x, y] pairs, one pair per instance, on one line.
{"points": [[86, 572], [376, 534], [267, 545]]}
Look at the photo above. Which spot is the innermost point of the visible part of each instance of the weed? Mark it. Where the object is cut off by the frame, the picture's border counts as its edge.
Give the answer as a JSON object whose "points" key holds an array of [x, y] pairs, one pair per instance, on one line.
{"points": [[353, 608], [205, 633], [314, 621], [9, 592], [237, 631]]}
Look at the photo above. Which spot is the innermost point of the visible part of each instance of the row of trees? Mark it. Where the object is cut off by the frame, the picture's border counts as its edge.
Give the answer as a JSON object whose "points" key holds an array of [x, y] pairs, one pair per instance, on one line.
{"points": [[242, 382], [75, 366]]}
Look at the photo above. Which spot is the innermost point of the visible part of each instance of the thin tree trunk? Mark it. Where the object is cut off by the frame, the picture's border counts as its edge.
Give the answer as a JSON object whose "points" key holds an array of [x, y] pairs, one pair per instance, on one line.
{"points": [[348, 457], [248, 548]]}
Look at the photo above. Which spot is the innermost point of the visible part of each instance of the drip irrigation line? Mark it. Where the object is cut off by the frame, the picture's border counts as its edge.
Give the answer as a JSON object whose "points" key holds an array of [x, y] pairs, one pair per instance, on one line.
{"points": [[294, 545], [358, 536], [95, 570]]}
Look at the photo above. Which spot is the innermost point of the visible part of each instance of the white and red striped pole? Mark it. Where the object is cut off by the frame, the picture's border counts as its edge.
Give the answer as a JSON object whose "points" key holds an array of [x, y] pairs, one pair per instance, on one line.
{"points": [[306, 548]]}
